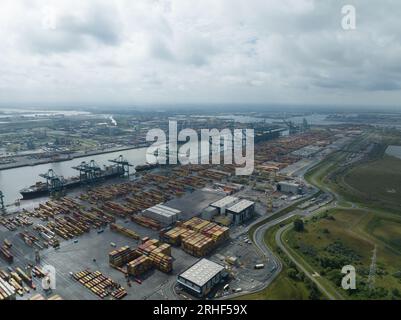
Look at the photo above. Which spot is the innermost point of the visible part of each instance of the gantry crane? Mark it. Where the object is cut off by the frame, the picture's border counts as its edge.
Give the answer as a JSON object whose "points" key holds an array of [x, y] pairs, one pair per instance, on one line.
{"points": [[293, 128], [88, 172], [122, 165], [55, 183]]}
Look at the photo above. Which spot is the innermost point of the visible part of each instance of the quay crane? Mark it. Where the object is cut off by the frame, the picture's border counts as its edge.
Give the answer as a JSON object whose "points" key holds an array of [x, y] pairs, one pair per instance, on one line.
{"points": [[54, 182], [293, 128], [122, 165], [88, 172]]}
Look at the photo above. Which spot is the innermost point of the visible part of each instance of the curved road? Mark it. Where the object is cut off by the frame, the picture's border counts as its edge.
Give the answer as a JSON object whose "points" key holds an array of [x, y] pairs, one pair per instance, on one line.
{"points": [[258, 238]]}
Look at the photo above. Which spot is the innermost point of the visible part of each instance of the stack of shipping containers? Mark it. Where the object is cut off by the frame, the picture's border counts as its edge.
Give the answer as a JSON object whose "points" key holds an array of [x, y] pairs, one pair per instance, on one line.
{"points": [[198, 237]]}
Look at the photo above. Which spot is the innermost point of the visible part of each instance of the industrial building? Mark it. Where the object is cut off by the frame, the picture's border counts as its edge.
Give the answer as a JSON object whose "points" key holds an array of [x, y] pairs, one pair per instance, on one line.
{"points": [[307, 152], [241, 211], [200, 279], [224, 203], [163, 214], [289, 187]]}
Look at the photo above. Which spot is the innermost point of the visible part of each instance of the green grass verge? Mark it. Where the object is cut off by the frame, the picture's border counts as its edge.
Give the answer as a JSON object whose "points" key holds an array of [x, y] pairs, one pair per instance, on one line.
{"points": [[348, 236]]}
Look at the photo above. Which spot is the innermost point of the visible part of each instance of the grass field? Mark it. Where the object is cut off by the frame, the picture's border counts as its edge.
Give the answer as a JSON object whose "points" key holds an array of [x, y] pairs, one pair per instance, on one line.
{"points": [[285, 287], [369, 195], [376, 183], [282, 288], [349, 236]]}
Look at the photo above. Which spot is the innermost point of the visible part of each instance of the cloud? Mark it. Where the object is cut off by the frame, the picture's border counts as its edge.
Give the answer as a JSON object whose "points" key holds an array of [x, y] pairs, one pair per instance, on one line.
{"points": [[54, 31], [148, 51]]}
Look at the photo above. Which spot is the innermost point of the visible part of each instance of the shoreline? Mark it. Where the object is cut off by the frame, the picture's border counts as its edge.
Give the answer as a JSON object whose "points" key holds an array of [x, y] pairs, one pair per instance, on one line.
{"points": [[75, 156]]}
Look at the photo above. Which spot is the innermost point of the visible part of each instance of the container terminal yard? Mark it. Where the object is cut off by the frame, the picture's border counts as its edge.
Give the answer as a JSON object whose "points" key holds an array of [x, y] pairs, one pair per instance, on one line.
{"points": [[174, 232], [200, 159]]}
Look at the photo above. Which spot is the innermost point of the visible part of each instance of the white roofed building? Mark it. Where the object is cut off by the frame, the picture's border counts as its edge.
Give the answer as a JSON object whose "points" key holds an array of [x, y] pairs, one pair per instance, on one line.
{"points": [[163, 214], [241, 211], [200, 279], [224, 203]]}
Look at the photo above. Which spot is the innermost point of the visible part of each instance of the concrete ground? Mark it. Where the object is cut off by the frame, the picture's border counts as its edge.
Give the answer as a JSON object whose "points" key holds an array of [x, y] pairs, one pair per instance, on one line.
{"points": [[245, 276], [75, 257], [192, 204]]}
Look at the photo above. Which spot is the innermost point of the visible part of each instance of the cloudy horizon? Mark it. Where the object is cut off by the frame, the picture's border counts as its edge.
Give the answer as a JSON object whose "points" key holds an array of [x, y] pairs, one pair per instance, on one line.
{"points": [[125, 52]]}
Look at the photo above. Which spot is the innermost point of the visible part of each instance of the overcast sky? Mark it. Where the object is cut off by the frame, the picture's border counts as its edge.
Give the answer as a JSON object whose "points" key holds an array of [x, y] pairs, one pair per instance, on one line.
{"points": [[66, 52]]}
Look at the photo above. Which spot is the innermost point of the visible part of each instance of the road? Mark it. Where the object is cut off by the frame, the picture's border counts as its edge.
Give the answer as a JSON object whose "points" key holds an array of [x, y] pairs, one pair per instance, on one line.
{"points": [[259, 242], [258, 236]]}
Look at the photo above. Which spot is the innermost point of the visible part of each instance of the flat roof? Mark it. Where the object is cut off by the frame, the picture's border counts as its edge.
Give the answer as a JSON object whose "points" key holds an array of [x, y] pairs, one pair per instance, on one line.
{"points": [[164, 210], [224, 202], [201, 272], [162, 206], [292, 184], [160, 212], [241, 206]]}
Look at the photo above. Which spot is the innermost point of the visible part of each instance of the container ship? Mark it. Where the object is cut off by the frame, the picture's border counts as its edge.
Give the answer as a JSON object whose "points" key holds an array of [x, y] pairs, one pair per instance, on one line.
{"points": [[41, 189], [146, 167]]}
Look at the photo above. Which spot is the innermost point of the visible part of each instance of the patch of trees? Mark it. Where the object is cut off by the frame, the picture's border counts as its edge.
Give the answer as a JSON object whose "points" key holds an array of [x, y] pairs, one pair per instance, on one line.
{"points": [[340, 251], [307, 249], [314, 292], [299, 225]]}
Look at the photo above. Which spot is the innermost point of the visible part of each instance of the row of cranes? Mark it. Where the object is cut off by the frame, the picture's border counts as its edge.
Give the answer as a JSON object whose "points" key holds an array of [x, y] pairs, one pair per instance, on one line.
{"points": [[295, 128], [89, 173]]}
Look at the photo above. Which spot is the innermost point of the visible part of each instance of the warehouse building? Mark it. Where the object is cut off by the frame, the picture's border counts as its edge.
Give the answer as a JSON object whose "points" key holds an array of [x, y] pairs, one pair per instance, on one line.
{"points": [[241, 211], [290, 187], [307, 152], [202, 277], [224, 203], [163, 214]]}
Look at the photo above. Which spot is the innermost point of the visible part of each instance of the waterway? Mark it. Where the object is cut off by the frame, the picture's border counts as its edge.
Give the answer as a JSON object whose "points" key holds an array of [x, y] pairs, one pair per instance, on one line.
{"points": [[13, 180], [313, 119]]}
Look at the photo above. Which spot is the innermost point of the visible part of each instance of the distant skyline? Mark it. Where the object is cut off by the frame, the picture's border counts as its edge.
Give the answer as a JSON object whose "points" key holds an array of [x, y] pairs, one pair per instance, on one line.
{"points": [[148, 52]]}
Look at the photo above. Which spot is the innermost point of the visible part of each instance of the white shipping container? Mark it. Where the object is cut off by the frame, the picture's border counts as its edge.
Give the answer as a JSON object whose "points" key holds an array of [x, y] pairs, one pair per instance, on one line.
{"points": [[46, 236], [7, 288]]}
